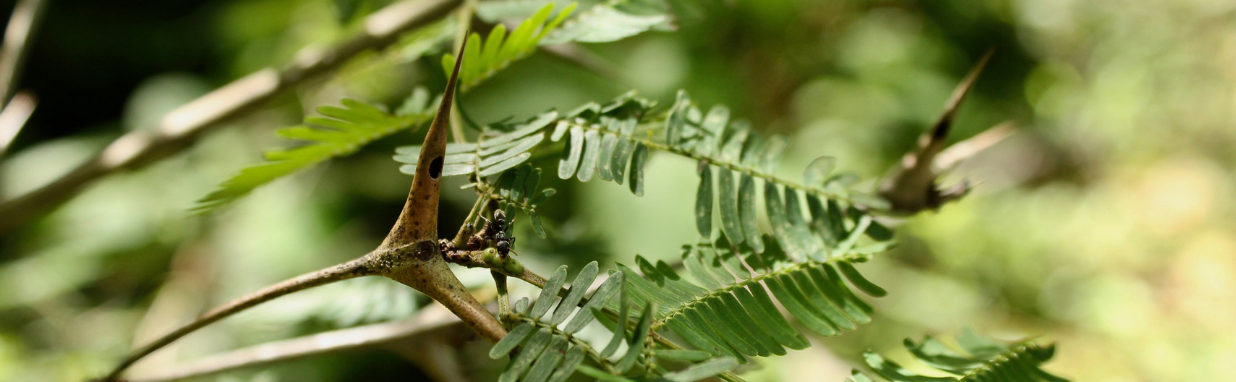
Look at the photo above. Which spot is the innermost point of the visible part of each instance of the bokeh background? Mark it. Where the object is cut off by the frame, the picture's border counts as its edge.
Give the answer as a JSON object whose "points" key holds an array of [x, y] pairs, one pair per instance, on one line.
{"points": [[1105, 224]]}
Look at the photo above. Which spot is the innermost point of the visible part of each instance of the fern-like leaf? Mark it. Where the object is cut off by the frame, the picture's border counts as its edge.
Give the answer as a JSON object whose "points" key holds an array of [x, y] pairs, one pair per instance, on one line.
{"points": [[603, 142], [739, 157], [339, 131], [492, 155], [611, 142], [483, 59], [978, 359], [543, 345], [727, 310]]}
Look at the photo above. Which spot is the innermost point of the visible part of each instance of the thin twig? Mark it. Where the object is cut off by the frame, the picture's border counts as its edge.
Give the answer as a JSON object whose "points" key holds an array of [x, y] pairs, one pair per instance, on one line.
{"points": [[362, 266], [26, 16], [14, 117], [431, 318], [180, 128]]}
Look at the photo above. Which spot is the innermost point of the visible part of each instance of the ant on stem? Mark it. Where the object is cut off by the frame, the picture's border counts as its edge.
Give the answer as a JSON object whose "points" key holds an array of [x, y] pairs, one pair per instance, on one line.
{"points": [[493, 234]]}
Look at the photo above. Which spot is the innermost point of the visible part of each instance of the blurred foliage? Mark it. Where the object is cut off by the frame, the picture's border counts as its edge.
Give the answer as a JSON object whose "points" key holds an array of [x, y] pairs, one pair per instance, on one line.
{"points": [[1105, 224]]}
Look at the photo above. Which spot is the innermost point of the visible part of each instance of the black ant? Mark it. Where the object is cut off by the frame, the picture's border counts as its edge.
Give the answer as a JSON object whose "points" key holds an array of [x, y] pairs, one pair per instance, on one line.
{"points": [[494, 230]]}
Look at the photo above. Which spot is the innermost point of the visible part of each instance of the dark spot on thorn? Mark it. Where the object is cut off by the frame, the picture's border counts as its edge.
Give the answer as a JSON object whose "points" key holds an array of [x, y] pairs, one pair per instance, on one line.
{"points": [[435, 168]]}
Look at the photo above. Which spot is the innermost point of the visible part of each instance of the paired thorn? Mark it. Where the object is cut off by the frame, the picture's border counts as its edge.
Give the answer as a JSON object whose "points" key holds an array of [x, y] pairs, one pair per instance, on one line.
{"points": [[912, 187], [409, 254]]}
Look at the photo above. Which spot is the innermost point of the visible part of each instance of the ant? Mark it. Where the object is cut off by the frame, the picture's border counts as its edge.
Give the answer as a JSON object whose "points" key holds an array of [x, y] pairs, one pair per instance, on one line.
{"points": [[496, 230]]}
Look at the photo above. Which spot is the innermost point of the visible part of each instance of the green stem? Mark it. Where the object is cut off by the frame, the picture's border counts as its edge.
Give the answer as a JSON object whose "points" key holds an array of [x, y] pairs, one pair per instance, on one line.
{"points": [[504, 298]]}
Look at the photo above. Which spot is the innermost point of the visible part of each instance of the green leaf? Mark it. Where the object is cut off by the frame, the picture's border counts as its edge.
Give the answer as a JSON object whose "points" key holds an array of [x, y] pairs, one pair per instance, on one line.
{"points": [[811, 245], [859, 281], [559, 130], [496, 11], [780, 223], [547, 362], [731, 223], [755, 299], [574, 149], [588, 164], [505, 165], [683, 355], [677, 119], [512, 339], [818, 171], [573, 358], [483, 59], [993, 361], [521, 306], [605, 167], [732, 151], [703, 370], [796, 303], [854, 307], [771, 154], [537, 227], [341, 132], [818, 301], [549, 293], [852, 238], [703, 201], [746, 213], [714, 126], [635, 346], [535, 125], [601, 375], [620, 327], [603, 294], [517, 148], [603, 23], [619, 158], [578, 287], [637, 169], [531, 351]]}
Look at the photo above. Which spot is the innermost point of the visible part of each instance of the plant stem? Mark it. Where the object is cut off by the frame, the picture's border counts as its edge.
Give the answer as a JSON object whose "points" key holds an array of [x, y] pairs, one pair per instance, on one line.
{"points": [[26, 16], [461, 236], [359, 267], [429, 319], [504, 298], [182, 127], [14, 117]]}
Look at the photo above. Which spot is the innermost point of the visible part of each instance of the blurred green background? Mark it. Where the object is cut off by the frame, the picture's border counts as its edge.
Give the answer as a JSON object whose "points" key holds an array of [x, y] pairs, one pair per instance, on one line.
{"points": [[1104, 224]]}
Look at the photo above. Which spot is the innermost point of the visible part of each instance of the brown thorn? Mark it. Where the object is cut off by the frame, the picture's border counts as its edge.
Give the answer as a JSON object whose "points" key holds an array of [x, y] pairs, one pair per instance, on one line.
{"points": [[419, 218], [426, 270], [941, 128]]}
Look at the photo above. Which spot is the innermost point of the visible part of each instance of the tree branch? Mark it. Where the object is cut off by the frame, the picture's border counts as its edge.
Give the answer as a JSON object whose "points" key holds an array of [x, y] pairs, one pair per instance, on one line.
{"points": [[430, 319], [26, 15], [180, 128], [363, 266], [14, 117]]}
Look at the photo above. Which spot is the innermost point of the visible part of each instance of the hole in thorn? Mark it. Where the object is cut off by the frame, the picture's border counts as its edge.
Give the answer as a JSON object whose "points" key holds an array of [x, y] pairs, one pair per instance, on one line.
{"points": [[435, 168]]}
